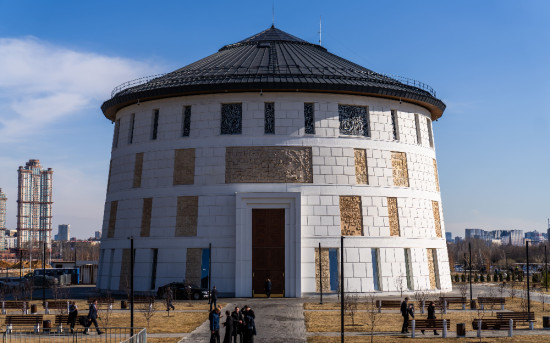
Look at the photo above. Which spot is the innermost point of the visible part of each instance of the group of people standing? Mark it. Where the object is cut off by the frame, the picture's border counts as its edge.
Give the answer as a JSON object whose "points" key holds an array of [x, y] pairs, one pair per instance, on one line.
{"points": [[238, 325], [86, 321], [407, 311]]}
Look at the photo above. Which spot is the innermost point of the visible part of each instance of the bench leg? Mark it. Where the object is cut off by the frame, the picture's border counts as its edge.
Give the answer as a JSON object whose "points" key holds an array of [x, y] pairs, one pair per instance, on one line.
{"points": [[413, 328]]}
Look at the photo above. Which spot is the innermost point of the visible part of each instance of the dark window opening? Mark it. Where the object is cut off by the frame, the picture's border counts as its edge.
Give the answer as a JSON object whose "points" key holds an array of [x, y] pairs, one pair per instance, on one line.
{"points": [[186, 121], [155, 124], [269, 119], [309, 117]]}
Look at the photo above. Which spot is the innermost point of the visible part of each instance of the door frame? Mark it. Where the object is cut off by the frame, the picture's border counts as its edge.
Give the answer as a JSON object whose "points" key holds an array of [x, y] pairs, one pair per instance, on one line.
{"points": [[244, 204]]}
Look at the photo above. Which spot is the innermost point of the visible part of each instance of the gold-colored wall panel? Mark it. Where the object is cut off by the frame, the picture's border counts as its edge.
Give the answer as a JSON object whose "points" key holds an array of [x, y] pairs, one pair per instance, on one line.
{"points": [[138, 170], [193, 265], [431, 267], [436, 176], [112, 219], [437, 219], [393, 215], [146, 217], [361, 176], [184, 167], [351, 216], [263, 164], [400, 171], [186, 218], [325, 263]]}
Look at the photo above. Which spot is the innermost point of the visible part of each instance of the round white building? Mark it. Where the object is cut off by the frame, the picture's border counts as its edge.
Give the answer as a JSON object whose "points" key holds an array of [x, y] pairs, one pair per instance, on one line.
{"points": [[262, 151]]}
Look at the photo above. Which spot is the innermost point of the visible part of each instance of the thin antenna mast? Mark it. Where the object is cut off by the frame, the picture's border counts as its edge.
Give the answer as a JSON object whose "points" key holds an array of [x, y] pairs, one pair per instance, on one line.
{"points": [[273, 13], [320, 30]]}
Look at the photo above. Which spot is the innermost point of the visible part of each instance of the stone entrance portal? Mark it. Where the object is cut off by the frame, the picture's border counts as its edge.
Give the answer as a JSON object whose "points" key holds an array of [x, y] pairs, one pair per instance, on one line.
{"points": [[268, 251]]}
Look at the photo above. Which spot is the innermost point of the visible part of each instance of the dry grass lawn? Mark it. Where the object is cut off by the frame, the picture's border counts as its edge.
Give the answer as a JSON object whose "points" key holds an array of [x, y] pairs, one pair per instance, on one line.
{"points": [[326, 317], [388, 339]]}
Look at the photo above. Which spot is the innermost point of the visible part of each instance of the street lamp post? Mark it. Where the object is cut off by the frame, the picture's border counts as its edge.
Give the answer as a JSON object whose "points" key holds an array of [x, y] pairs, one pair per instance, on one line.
{"points": [[528, 290], [131, 286], [342, 288], [320, 275], [471, 297], [44, 275], [545, 268]]}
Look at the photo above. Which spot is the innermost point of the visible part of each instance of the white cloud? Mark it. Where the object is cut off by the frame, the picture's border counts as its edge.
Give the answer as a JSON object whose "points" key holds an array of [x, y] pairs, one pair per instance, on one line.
{"points": [[42, 83]]}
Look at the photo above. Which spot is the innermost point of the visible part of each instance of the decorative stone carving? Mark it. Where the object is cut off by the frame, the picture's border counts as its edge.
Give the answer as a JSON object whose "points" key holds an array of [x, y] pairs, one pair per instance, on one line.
{"points": [[437, 219], [431, 267], [112, 219], [269, 118], [351, 216], [232, 119], [353, 120], [124, 281], [138, 170], [436, 176], [268, 165], [325, 263], [309, 118], [187, 214], [393, 215], [193, 265], [361, 177], [146, 217], [400, 171], [184, 167], [186, 121]]}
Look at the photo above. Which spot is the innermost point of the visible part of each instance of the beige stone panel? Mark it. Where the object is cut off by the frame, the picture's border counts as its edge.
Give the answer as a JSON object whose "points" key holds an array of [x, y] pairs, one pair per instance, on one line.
{"points": [[138, 170], [361, 177], [146, 217], [430, 253], [184, 167], [325, 263], [351, 216], [193, 265], [393, 215], [400, 171], [262, 164], [124, 282], [186, 218], [112, 219], [436, 176], [437, 219]]}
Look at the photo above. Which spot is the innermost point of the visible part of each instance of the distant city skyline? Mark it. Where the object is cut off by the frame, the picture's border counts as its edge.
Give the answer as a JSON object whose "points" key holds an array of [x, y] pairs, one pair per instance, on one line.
{"points": [[57, 66]]}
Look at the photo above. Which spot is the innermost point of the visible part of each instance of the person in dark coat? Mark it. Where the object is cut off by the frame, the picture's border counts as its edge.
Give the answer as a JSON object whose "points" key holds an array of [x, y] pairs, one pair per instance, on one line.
{"points": [[405, 314], [92, 318], [268, 287], [249, 324], [431, 315], [229, 327], [73, 314], [169, 297], [213, 297], [215, 326], [238, 321]]}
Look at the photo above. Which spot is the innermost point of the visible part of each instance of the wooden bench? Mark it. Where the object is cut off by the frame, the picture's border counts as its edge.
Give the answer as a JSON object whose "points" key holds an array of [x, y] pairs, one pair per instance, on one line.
{"points": [[491, 301], [24, 320], [493, 324], [453, 300], [61, 319], [429, 324], [17, 305], [524, 317], [56, 305], [388, 304], [102, 301], [143, 300]]}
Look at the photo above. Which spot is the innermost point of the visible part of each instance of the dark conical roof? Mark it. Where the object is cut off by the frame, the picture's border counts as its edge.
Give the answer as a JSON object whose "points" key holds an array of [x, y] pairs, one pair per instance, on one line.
{"points": [[273, 60]]}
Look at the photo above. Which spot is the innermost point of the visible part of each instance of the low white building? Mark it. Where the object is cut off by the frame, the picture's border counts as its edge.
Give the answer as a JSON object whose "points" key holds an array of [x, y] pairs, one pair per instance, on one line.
{"points": [[265, 149]]}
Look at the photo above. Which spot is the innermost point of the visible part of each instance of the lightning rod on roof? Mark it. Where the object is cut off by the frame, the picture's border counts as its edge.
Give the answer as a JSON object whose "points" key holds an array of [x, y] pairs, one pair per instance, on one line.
{"points": [[320, 30], [273, 13]]}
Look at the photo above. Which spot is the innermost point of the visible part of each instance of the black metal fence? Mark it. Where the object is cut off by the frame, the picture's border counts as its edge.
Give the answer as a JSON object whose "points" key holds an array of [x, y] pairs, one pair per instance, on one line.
{"points": [[109, 335]]}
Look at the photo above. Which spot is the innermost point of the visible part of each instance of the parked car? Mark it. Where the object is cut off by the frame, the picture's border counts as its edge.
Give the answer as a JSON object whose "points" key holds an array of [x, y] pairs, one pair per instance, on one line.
{"points": [[181, 290]]}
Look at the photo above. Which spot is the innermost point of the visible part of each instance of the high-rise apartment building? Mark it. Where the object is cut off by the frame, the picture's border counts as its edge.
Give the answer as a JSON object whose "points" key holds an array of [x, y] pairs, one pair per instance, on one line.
{"points": [[63, 232], [3, 200], [34, 205]]}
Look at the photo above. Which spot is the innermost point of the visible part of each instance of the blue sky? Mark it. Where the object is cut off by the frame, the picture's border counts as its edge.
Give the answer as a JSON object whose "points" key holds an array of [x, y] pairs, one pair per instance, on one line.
{"points": [[487, 60]]}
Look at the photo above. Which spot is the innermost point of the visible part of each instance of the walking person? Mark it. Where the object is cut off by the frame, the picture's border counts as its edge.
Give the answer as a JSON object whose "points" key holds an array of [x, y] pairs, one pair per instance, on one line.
{"points": [[405, 314], [215, 326], [73, 314], [229, 327], [169, 297], [431, 315], [268, 287], [238, 320], [249, 325], [92, 318], [213, 297]]}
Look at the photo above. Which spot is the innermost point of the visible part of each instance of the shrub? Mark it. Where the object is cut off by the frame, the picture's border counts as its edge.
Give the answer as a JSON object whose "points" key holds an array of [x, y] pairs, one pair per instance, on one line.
{"points": [[500, 277], [520, 277], [482, 278], [476, 278], [508, 276], [536, 277], [457, 278], [463, 278]]}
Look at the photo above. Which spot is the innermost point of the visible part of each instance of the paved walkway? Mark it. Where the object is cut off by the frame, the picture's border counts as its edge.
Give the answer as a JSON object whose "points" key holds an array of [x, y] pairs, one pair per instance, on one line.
{"points": [[277, 320]]}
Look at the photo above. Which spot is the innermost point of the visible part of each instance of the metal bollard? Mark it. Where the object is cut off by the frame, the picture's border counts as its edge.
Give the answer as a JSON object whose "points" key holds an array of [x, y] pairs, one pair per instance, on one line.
{"points": [[463, 306], [3, 308], [444, 328], [531, 325], [8, 329], [379, 302], [413, 327], [46, 309], [479, 328], [37, 328], [511, 329], [502, 307]]}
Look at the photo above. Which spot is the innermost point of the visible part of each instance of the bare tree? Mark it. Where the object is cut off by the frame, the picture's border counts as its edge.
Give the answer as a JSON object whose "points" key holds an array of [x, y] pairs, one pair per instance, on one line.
{"points": [[351, 302], [492, 294], [512, 291], [523, 300], [106, 315], [27, 289], [399, 284], [479, 318], [542, 298], [148, 310], [501, 288], [373, 317], [463, 289], [421, 297]]}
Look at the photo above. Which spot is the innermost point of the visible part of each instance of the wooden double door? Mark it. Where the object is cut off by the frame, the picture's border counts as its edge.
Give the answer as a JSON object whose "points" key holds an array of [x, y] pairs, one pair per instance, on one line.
{"points": [[268, 251]]}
